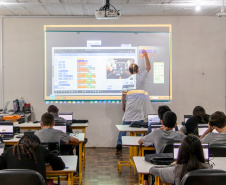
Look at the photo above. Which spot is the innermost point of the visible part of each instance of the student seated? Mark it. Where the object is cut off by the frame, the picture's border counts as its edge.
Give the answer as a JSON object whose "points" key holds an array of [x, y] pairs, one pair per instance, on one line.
{"points": [[199, 116], [52, 109], [49, 134], [161, 111], [161, 136], [190, 157], [29, 154], [218, 122]]}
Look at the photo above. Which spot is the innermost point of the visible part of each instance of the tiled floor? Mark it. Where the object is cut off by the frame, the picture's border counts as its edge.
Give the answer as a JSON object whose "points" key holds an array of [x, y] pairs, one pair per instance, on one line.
{"points": [[102, 168]]}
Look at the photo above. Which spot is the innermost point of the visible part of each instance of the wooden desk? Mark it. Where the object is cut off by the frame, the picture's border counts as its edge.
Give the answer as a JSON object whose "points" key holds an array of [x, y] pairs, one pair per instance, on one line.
{"points": [[143, 167], [132, 142], [15, 140], [71, 164], [134, 131]]}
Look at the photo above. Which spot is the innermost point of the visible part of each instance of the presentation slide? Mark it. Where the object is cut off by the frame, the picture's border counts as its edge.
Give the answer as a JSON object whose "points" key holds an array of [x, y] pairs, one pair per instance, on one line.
{"points": [[95, 65]]}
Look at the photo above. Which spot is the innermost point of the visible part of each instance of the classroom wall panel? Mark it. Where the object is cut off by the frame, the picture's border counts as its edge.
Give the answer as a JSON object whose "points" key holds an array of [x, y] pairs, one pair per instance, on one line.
{"points": [[199, 56]]}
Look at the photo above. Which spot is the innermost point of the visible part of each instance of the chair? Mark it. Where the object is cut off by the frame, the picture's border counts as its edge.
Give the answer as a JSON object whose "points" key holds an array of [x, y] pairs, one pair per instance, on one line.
{"points": [[52, 146], [217, 150], [205, 177], [168, 147], [21, 176]]}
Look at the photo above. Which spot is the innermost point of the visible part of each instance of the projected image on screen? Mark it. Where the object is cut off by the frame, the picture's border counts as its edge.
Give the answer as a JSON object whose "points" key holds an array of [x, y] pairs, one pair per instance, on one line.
{"points": [[95, 65], [118, 68]]}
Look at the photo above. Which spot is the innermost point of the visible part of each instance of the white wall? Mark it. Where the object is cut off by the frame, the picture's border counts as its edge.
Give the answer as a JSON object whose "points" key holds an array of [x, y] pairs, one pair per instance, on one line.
{"points": [[199, 55]]}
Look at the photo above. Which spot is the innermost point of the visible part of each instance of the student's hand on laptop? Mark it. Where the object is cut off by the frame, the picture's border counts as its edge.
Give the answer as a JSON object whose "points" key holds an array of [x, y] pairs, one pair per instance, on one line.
{"points": [[175, 162]]}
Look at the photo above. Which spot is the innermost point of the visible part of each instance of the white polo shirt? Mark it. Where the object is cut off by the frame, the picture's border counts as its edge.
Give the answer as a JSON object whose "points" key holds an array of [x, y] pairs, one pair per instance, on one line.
{"points": [[136, 97]]}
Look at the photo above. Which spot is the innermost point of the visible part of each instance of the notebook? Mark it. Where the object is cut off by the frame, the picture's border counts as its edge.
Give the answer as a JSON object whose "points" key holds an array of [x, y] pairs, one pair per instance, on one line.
{"points": [[186, 117], [153, 118], [61, 127], [202, 128], [67, 116], [205, 147], [6, 130]]}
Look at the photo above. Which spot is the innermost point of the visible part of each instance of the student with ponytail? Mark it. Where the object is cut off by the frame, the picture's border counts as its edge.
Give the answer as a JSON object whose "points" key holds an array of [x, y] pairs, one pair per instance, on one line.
{"points": [[28, 154]]}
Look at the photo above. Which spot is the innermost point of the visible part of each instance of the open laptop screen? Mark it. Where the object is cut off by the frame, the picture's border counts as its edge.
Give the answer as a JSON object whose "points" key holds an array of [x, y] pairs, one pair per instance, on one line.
{"points": [[60, 127], [153, 118], [186, 117], [67, 116], [202, 128], [205, 147], [6, 128]]}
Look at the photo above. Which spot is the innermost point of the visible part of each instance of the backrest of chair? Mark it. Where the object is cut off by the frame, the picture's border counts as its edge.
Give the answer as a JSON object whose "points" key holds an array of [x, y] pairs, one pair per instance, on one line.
{"points": [[52, 146], [168, 146], [205, 177], [217, 150], [21, 177]]}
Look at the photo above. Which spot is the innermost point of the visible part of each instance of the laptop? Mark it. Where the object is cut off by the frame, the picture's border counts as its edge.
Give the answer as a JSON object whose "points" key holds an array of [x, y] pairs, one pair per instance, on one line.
{"points": [[186, 117], [154, 127], [153, 118], [2, 147], [6, 130], [205, 147], [67, 116], [202, 128], [61, 127]]}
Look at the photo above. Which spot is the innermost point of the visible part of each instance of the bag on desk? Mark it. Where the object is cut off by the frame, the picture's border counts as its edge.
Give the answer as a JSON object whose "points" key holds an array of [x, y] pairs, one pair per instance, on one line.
{"points": [[160, 159]]}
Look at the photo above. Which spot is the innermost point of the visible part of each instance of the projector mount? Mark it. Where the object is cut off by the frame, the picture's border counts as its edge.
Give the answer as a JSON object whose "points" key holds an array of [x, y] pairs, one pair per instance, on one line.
{"points": [[106, 13]]}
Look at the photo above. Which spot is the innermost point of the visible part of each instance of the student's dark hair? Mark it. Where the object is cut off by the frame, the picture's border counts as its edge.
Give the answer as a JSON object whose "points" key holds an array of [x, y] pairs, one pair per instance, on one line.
{"points": [[133, 68], [200, 112], [217, 119], [190, 155], [47, 119], [162, 110], [53, 109], [169, 119], [26, 146]]}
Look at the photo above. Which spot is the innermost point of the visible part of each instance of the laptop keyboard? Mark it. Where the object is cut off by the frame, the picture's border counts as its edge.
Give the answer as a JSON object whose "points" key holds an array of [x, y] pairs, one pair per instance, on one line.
{"points": [[7, 137]]}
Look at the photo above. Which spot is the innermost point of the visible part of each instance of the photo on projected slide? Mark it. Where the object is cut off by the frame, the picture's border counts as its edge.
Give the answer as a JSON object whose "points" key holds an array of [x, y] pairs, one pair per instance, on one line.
{"points": [[118, 68], [94, 65]]}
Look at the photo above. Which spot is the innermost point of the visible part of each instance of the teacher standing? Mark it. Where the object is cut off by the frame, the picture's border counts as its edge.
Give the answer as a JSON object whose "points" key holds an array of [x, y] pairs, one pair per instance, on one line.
{"points": [[134, 97]]}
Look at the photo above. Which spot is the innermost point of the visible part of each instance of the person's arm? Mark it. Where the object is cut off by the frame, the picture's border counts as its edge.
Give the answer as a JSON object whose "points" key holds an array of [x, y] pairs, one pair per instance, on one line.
{"points": [[124, 101], [74, 140], [183, 130], [148, 64], [55, 161], [140, 141], [66, 138], [209, 130], [165, 173], [148, 139]]}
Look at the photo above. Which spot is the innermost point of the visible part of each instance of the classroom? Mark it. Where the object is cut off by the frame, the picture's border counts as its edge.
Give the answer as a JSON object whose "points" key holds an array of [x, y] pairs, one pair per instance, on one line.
{"points": [[198, 56]]}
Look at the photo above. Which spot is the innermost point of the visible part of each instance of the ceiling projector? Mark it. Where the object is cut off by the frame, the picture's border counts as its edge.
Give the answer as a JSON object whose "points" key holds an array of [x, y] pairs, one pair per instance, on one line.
{"points": [[106, 13]]}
